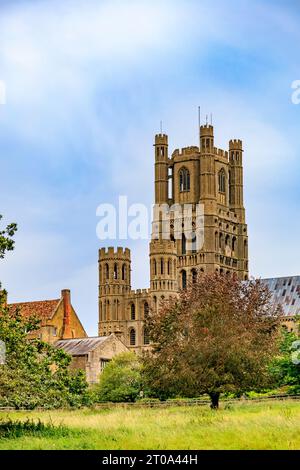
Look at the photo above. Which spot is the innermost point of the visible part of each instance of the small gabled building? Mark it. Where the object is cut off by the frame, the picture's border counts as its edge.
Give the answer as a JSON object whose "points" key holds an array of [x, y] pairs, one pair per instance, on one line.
{"points": [[58, 318], [92, 354]]}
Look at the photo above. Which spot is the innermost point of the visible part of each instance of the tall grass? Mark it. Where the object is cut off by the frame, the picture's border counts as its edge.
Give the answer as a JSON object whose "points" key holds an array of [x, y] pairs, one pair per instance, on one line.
{"points": [[266, 425], [10, 429]]}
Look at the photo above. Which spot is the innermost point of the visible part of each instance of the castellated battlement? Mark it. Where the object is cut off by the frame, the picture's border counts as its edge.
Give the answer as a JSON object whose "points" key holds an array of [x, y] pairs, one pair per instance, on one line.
{"points": [[161, 139], [221, 153], [235, 144], [186, 151], [114, 253], [207, 130], [139, 293], [189, 150]]}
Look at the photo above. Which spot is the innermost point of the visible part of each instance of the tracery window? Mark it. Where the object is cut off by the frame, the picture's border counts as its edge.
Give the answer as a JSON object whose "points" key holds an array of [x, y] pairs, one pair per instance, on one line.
{"points": [[184, 179]]}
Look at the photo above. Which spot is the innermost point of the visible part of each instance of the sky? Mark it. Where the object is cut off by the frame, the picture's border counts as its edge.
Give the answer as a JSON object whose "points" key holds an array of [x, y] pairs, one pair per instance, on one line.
{"points": [[87, 84]]}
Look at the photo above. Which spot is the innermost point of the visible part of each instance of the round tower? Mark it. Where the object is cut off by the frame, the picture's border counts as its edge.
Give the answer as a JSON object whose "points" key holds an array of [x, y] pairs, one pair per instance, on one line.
{"points": [[163, 259], [161, 168], [236, 174], [236, 203], [207, 138], [114, 285], [207, 163]]}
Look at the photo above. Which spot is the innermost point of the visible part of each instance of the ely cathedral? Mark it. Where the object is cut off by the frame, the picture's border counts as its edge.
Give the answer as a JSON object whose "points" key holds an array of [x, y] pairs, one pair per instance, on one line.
{"points": [[212, 238], [198, 227]]}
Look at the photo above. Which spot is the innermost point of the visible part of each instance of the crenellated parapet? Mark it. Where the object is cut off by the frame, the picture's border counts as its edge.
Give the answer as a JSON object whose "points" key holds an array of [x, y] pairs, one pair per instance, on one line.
{"points": [[161, 139], [235, 144], [185, 152], [114, 253], [221, 153], [139, 294]]}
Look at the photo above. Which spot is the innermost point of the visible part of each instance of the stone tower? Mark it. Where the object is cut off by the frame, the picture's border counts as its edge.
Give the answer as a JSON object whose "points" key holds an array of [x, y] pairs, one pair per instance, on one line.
{"points": [[161, 168], [211, 237], [114, 285]]}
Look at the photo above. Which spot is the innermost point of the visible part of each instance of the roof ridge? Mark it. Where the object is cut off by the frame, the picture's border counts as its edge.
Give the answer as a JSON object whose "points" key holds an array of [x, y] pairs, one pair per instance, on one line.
{"points": [[33, 301], [84, 338]]}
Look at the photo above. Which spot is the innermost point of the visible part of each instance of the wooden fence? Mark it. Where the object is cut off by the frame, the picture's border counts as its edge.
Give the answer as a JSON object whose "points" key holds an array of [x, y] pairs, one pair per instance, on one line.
{"points": [[173, 403]]}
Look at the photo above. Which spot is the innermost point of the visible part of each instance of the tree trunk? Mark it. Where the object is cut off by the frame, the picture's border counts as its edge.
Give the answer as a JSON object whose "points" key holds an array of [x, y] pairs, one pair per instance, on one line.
{"points": [[214, 396]]}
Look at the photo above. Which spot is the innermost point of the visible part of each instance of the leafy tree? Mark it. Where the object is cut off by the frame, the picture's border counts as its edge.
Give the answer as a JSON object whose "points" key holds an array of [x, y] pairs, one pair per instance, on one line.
{"points": [[218, 336], [6, 240], [121, 379], [35, 373], [286, 367]]}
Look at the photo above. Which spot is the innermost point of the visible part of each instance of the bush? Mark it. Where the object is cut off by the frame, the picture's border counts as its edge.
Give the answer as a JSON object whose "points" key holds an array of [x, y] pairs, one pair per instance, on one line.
{"points": [[285, 368], [149, 400], [120, 381]]}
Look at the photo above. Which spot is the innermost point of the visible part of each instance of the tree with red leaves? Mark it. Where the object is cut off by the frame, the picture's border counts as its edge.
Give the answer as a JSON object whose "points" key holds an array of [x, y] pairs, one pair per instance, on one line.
{"points": [[218, 336]]}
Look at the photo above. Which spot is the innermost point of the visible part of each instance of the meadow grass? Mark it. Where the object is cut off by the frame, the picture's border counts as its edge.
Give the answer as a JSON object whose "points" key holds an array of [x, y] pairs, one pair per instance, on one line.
{"points": [[267, 425]]}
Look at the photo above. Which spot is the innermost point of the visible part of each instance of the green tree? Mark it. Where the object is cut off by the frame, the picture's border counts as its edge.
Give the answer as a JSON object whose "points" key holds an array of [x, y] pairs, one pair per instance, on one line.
{"points": [[32, 373], [6, 240], [121, 379], [35, 373], [286, 367], [218, 336]]}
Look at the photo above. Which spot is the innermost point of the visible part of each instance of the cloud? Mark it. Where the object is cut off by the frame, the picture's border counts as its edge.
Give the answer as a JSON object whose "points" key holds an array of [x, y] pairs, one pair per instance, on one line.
{"points": [[87, 83]]}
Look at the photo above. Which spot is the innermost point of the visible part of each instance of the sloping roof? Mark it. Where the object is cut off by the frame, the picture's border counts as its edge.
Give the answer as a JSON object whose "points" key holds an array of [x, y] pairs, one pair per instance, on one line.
{"points": [[286, 291], [43, 309], [80, 346]]}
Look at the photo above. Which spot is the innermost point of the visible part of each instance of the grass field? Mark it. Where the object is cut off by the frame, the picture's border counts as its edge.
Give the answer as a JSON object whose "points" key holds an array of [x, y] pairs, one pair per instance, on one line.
{"points": [[267, 425]]}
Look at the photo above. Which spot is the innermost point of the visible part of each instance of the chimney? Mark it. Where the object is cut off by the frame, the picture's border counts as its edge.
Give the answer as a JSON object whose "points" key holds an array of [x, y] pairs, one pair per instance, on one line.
{"points": [[66, 297]]}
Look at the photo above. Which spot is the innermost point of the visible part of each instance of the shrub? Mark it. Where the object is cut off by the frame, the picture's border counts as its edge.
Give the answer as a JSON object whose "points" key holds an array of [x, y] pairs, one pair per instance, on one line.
{"points": [[121, 380]]}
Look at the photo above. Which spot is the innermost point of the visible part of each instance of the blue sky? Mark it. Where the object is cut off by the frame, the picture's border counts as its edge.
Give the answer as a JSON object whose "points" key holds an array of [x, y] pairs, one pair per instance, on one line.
{"points": [[87, 83]]}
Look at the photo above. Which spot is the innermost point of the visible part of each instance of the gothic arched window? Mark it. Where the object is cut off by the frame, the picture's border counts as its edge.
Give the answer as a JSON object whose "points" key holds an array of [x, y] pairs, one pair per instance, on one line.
{"points": [[222, 181], [123, 272], [115, 271], [194, 276], [220, 240], [132, 337], [146, 336], [183, 279], [233, 243], [146, 309], [106, 271], [169, 267], [132, 312], [184, 180], [230, 188], [183, 244]]}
